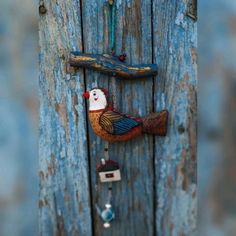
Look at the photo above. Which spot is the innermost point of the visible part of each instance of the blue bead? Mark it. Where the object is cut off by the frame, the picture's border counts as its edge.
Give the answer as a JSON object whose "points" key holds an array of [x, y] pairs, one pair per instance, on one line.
{"points": [[108, 215]]}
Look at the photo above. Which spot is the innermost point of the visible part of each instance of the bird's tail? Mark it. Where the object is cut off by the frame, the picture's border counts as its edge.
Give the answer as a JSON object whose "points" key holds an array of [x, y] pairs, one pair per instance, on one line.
{"points": [[156, 123]]}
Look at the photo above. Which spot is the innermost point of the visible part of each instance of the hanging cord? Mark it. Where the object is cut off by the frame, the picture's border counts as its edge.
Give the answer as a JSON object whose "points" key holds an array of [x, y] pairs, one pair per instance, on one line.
{"points": [[109, 196], [108, 210], [109, 199], [106, 155], [111, 24], [106, 149]]}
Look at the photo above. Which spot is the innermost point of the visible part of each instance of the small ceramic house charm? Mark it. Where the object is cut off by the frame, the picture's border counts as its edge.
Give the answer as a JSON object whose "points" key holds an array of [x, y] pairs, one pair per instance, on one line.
{"points": [[109, 171]]}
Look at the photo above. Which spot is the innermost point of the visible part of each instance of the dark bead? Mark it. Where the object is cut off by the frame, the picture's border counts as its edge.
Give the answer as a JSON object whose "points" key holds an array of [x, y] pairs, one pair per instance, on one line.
{"points": [[42, 9], [122, 57]]}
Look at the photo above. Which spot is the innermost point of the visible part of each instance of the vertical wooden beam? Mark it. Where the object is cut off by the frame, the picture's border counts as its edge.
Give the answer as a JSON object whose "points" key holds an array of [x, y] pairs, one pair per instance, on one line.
{"points": [[133, 36], [64, 201], [175, 89], [133, 196], [95, 34]]}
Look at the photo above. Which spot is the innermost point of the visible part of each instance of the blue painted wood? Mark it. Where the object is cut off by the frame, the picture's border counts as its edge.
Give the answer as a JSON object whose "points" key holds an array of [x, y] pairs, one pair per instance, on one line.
{"points": [[18, 141], [133, 196], [175, 42], [157, 194], [64, 201], [95, 35]]}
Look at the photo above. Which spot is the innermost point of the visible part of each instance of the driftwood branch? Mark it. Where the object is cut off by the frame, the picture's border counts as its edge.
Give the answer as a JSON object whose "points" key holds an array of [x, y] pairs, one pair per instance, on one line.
{"points": [[112, 66]]}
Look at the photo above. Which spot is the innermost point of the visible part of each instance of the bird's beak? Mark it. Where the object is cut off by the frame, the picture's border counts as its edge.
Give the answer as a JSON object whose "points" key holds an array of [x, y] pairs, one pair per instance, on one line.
{"points": [[86, 95]]}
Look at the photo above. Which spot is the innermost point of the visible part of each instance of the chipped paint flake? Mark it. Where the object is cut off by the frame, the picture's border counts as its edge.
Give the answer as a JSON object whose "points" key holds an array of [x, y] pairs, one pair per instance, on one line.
{"points": [[180, 20]]}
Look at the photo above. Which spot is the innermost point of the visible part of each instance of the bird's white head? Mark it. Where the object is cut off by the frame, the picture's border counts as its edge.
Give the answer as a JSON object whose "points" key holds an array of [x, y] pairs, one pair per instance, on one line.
{"points": [[97, 99]]}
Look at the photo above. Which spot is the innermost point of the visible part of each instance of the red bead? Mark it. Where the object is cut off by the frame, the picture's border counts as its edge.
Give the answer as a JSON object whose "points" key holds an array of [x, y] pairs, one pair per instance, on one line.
{"points": [[86, 95], [122, 57]]}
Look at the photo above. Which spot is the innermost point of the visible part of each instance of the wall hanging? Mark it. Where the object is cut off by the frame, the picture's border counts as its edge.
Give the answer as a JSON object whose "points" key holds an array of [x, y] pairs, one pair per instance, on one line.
{"points": [[109, 124], [112, 65], [114, 126]]}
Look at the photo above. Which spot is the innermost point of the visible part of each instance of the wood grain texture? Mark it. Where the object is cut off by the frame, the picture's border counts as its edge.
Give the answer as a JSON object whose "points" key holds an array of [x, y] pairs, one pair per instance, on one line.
{"points": [[157, 194], [133, 196], [64, 201], [174, 39], [111, 65]]}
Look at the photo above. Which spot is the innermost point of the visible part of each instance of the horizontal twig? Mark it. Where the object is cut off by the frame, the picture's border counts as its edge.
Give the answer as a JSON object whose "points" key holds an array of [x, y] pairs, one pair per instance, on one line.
{"points": [[112, 66]]}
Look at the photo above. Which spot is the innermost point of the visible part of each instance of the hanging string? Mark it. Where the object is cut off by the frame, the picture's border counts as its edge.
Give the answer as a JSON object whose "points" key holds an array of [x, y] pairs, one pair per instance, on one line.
{"points": [[111, 24], [106, 155]]}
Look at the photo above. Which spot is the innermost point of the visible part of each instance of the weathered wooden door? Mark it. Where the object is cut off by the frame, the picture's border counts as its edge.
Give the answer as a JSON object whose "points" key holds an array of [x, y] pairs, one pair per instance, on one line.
{"points": [[157, 194]]}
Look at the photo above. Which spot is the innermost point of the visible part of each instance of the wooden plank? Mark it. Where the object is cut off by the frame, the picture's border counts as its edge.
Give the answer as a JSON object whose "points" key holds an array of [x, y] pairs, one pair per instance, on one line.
{"points": [[133, 196], [111, 65], [64, 204], [175, 89]]}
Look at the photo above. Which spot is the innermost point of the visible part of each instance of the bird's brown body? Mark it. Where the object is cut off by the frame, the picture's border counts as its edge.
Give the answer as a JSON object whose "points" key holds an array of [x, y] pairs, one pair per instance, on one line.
{"points": [[155, 123], [94, 117], [114, 126]]}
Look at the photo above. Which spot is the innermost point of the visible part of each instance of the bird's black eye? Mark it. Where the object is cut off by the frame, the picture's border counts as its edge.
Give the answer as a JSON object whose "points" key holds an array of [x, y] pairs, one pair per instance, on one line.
{"points": [[94, 94]]}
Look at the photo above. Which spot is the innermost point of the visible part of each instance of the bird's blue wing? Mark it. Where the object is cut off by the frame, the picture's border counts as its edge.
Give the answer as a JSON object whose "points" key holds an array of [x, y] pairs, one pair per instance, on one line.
{"points": [[116, 123]]}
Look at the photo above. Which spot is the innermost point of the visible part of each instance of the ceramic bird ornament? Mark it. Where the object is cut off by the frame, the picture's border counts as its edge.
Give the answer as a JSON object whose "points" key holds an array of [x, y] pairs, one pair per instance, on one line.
{"points": [[113, 126]]}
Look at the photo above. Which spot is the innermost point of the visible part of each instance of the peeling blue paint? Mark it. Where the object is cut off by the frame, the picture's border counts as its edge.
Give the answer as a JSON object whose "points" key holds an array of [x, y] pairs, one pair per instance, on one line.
{"points": [[69, 187]]}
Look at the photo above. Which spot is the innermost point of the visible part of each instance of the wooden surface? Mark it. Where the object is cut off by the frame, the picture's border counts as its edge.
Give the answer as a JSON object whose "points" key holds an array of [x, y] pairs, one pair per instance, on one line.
{"points": [[111, 65], [157, 194], [64, 204], [175, 89]]}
